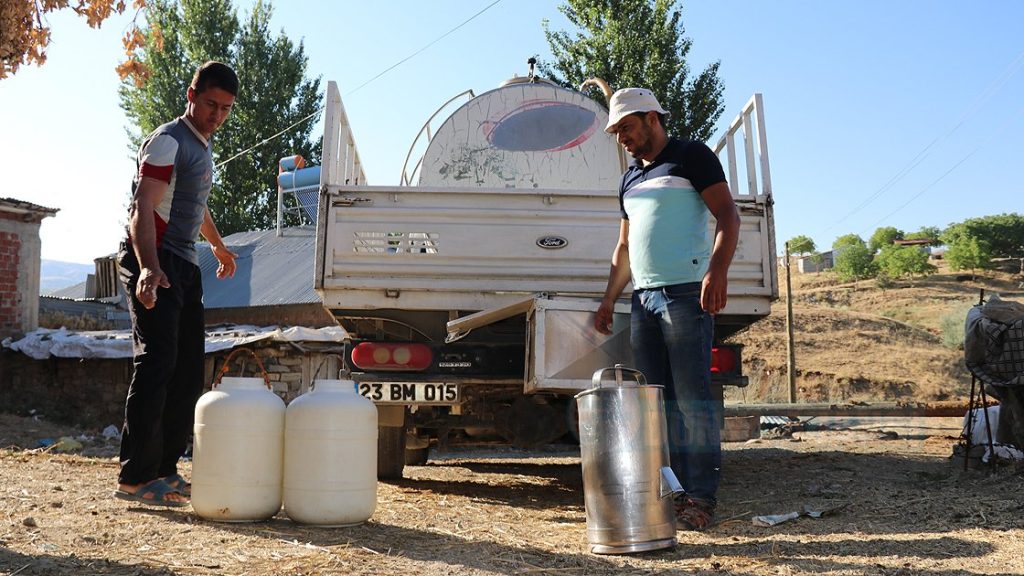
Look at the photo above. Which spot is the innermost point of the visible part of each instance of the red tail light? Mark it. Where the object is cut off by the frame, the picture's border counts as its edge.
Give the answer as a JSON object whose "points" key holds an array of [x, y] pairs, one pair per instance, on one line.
{"points": [[724, 360], [386, 356]]}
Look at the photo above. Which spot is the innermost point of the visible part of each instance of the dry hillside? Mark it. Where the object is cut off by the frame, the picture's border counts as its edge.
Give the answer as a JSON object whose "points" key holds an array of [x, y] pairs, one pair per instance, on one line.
{"points": [[860, 342]]}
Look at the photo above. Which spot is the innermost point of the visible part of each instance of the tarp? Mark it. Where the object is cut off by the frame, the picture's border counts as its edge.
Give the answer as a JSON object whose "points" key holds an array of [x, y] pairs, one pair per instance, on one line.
{"points": [[994, 342], [44, 342]]}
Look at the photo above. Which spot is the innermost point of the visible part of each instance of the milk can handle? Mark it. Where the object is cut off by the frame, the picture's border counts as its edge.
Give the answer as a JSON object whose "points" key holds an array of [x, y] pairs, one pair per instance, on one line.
{"points": [[638, 376], [227, 364], [343, 371]]}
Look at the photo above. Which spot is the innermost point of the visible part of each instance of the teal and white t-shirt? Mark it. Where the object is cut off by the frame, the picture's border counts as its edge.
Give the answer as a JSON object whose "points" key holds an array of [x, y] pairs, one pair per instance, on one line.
{"points": [[669, 238]]}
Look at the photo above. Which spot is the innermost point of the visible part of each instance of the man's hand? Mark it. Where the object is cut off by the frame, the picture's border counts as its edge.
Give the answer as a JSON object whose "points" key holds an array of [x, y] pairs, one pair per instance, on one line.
{"points": [[149, 280], [226, 257], [713, 293], [603, 318]]}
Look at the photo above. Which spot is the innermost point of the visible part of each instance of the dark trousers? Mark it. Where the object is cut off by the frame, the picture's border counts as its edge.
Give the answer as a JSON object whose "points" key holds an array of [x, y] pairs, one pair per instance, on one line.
{"points": [[169, 349]]}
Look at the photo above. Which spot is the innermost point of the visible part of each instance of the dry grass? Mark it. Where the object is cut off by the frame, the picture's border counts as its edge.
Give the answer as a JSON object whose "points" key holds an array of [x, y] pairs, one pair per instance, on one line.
{"points": [[856, 341], [903, 508]]}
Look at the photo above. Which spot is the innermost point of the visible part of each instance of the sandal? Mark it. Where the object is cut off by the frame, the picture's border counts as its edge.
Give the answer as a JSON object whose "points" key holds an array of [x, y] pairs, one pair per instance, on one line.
{"points": [[158, 491], [694, 514], [177, 482]]}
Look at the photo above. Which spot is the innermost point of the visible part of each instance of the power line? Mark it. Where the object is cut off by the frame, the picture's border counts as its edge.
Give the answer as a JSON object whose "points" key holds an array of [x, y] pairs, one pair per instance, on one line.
{"points": [[269, 138], [985, 95], [994, 135], [416, 53], [390, 68]]}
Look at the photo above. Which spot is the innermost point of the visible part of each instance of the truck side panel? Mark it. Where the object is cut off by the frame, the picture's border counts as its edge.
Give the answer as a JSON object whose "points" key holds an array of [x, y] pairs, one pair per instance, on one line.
{"points": [[435, 249]]}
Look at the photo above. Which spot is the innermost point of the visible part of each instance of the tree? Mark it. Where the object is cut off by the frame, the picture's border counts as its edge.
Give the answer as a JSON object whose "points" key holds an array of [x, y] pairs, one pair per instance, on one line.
{"points": [[927, 233], [851, 258], [899, 261], [25, 34], [884, 237], [1003, 234], [273, 95], [801, 245], [847, 240], [968, 253], [637, 43]]}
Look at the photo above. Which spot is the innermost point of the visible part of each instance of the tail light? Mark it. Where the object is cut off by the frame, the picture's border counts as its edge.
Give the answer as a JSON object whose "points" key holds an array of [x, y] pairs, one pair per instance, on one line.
{"points": [[725, 360], [387, 356]]}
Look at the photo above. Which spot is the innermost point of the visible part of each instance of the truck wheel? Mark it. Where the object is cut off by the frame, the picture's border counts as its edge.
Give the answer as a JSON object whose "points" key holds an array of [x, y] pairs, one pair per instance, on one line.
{"points": [[417, 456], [417, 448], [390, 452]]}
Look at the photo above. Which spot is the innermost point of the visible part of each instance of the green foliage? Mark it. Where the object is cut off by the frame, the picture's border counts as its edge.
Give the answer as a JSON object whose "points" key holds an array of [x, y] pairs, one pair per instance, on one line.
{"points": [[637, 43], [899, 261], [854, 261], [968, 253], [952, 326], [801, 245], [273, 94], [932, 233], [883, 237], [1003, 234], [847, 240]]}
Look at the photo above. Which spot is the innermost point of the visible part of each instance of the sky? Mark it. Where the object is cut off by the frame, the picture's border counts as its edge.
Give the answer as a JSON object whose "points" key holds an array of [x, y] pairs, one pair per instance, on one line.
{"points": [[878, 113]]}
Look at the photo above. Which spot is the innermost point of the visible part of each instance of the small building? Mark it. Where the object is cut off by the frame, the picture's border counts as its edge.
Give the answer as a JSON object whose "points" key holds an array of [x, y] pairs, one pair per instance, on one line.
{"points": [[272, 285], [814, 262], [922, 244], [273, 281], [20, 248]]}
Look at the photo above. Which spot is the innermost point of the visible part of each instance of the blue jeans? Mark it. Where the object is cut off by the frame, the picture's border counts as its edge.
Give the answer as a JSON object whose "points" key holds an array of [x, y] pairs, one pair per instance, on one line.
{"points": [[671, 339]]}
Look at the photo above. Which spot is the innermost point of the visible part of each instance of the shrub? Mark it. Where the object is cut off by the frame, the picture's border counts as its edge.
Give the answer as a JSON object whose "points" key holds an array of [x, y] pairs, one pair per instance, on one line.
{"points": [[952, 325]]}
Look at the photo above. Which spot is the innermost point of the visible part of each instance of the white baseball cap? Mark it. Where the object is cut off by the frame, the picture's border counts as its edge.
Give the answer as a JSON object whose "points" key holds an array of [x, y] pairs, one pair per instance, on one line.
{"points": [[629, 100]]}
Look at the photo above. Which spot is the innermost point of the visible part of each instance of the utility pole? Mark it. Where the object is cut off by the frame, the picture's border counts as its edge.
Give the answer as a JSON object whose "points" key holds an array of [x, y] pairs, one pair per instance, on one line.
{"points": [[790, 353]]}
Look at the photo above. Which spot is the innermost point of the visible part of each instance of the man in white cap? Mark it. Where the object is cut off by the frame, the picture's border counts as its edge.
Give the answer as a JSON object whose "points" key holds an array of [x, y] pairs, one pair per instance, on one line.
{"points": [[679, 276]]}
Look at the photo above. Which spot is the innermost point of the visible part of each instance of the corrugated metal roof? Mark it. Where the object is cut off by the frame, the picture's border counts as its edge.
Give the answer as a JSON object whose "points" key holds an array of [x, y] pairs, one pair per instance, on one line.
{"points": [[272, 270], [75, 292], [105, 311], [21, 206]]}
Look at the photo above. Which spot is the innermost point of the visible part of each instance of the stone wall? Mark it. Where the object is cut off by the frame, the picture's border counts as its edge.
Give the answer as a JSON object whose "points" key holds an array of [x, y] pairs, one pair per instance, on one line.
{"points": [[90, 392]]}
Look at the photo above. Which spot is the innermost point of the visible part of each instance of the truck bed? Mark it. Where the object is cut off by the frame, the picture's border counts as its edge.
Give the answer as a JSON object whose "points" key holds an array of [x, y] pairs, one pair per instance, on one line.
{"points": [[419, 248]]}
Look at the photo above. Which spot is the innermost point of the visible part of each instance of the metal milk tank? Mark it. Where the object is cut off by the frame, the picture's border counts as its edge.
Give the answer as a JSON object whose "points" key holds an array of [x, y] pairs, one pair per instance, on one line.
{"points": [[627, 482], [330, 456]]}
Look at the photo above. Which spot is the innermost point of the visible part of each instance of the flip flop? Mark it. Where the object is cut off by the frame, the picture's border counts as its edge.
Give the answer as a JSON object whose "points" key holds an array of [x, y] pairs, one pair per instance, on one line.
{"points": [[179, 483], [159, 490]]}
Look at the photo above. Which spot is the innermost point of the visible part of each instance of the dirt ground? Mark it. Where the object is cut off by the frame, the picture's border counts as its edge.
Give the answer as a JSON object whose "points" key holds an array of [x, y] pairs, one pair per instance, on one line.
{"points": [[901, 506]]}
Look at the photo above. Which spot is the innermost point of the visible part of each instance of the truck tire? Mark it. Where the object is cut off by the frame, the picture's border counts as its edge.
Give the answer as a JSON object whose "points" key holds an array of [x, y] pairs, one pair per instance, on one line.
{"points": [[390, 452], [417, 456]]}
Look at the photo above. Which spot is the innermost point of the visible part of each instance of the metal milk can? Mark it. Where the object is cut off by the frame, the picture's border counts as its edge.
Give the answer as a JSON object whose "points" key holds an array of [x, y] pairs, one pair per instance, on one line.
{"points": [[627, 482]]}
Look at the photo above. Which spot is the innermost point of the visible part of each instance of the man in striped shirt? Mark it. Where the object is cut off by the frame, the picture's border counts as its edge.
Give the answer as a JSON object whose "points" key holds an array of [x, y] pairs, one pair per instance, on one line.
{"points": [[160, 271], [680, 281]]}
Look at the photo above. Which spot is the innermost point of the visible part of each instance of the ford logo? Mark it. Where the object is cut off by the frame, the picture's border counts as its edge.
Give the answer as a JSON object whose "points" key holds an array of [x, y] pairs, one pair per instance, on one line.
{"points": [[552, 242]]}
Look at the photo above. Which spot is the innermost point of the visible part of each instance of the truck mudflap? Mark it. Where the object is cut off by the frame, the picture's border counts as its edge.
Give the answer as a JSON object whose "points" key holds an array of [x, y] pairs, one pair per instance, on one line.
{"points": [[563, 350]]}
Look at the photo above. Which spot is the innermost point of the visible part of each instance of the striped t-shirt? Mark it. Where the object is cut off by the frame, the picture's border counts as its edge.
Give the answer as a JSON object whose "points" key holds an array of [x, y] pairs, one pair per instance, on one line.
{"points": [[177, 154], [669, 240]]}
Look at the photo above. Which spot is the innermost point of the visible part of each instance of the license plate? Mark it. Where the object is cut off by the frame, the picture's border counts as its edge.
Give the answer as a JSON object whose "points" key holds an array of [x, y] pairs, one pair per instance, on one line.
{"points": [[410, 392]]}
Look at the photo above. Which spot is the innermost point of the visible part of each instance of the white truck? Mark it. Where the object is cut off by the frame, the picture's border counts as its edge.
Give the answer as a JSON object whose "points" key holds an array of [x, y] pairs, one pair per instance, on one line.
{"points": [[469, 289]]}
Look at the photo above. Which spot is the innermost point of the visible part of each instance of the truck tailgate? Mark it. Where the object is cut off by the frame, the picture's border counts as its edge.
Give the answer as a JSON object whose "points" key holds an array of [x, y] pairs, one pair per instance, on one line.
{"points": [[417, 248], [434, 249]]}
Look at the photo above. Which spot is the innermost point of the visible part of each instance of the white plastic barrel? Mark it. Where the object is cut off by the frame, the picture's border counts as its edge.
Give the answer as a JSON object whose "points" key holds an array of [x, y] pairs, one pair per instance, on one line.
{"points": [[238, 451], [330, 457]]}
